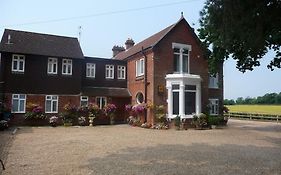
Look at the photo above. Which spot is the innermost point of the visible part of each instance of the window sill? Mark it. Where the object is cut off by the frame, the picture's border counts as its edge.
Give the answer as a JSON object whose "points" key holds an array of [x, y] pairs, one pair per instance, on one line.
{"points": [[141, 77], [18, 112], [213, 87], [51, 112], [17, 72]]}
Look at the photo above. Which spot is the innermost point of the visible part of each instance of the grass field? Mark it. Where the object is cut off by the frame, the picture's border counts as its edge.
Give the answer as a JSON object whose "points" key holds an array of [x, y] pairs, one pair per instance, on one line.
{"points": [[260, 109]]}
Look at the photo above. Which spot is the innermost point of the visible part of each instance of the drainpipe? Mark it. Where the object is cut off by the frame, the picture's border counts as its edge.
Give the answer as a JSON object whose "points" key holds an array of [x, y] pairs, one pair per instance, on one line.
{"points": [[145, 82]]}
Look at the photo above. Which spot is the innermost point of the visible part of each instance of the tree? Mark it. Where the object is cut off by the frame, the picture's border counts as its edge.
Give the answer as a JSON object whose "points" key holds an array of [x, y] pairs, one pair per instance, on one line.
{"points": [[244, 30]]}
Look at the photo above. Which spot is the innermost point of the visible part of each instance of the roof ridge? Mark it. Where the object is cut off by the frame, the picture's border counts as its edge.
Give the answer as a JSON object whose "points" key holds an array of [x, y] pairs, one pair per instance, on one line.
{"points": [[37, 33]]}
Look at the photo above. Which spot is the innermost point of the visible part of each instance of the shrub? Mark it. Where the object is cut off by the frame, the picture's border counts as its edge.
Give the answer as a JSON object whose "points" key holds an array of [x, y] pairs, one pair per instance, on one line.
{"points": [[3, 125], [69, 114], [54, 121], [200, 120], [34, 111], [82, 121], [177, 121], [159, 113], [94, 110]]}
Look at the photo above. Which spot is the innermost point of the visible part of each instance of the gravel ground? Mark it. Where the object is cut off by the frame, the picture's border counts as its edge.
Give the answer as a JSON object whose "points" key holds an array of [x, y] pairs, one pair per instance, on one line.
{"points": [[244, 147]]}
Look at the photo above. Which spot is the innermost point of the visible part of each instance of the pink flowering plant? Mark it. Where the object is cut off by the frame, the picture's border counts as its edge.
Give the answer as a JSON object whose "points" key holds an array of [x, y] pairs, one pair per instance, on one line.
{"points": [[139, 109], [110, 110], [70, 113], [34, 111]]}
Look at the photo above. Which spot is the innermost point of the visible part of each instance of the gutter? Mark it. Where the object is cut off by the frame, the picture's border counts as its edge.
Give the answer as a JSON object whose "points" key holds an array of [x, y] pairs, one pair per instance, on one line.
{"points": [[145, 82]]}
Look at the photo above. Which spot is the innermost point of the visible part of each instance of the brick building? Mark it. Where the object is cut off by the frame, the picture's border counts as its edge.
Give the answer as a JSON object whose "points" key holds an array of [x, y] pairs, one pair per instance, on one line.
{"points": [[167, 69]]}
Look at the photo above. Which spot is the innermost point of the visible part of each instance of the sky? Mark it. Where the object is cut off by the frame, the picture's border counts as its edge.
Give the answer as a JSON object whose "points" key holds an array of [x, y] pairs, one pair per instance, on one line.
{"points": [[107, 23]]}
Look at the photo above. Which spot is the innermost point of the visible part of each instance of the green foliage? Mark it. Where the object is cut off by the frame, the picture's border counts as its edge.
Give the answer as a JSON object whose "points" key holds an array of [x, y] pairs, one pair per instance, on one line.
{"points": [[159, 113], [269, 98], [217, 120], [177, 121], [244, 30], [200, 121]]}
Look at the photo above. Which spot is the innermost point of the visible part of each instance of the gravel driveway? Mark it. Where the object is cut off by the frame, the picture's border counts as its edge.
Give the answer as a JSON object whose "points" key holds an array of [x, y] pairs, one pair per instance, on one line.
{"points": [[244, 147]]}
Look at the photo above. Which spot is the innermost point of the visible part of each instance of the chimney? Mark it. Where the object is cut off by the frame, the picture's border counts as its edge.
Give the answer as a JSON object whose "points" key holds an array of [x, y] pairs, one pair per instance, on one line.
{"points": [[117, 49], [129, 43]]}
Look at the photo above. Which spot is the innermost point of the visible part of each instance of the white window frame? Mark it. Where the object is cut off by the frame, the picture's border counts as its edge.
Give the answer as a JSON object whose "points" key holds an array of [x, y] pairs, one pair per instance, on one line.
{"points": [[181, 54], [140, 67], [84, 99], [109, 71], [52, 101], [17, 97], [214, 81], [214, 102], [68, 64], [121, 72], [100, 101], [18, 59], [91, 70], [51, 63]]}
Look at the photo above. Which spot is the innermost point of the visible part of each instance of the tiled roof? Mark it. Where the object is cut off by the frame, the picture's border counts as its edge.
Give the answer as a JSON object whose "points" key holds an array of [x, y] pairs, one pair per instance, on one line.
{"points": [[40, 44], [106, 91], [145, 44]]}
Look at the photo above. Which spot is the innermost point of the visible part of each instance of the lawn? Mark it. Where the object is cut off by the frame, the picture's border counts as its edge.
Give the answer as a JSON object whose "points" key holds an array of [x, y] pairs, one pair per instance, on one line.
{"points": [[261, 109]]}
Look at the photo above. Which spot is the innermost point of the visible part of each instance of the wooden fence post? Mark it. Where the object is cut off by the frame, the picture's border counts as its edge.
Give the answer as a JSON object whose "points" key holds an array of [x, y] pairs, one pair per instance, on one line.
{"points": [[277, 118]]}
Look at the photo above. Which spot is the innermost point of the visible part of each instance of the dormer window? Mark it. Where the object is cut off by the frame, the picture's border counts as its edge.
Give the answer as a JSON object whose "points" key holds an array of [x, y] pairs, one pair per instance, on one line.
{"points": [[67, 67], [18, 63], [181, 57]]}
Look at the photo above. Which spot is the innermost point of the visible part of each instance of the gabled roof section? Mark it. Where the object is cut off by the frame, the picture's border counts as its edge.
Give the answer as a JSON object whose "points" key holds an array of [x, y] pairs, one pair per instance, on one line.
{"points": [[40, 44], [145, 44], [149, 42]]}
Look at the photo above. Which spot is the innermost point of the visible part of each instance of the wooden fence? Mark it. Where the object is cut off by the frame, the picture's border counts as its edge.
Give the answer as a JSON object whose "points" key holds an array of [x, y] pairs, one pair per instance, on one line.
{"points": [[253, 116]]}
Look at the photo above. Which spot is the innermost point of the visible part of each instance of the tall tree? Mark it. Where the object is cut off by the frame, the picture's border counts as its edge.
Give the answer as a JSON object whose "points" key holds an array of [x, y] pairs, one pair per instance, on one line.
{"points": [[244, 30]]}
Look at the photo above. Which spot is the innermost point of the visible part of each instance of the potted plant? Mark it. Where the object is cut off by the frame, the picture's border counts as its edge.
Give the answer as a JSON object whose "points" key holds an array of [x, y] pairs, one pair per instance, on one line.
{"points": [[53, 121], [139, 110], [93, 111], [110, 110]]}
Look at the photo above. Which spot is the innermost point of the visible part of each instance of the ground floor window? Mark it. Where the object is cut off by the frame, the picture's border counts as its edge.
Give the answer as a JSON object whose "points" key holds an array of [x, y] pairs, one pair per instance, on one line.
{"points": [[18, 103], [214, 106], [101, 102], [84, 100], [51, 105], [139, 98], [175, 90], [190, 99]]}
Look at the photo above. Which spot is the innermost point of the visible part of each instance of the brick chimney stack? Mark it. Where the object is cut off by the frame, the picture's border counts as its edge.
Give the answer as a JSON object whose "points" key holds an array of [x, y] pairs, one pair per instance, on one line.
{"points": [[129, 43], [117, 49]]}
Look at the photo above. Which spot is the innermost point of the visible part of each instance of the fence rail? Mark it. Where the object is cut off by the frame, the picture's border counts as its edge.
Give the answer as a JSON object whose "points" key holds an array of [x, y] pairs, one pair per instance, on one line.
{"points": [[253, 116]]}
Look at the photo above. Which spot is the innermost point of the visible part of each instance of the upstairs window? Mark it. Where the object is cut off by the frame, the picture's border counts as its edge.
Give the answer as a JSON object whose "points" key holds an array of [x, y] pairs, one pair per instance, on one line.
{"points": [[214, 81], [84, 100], [181, 57], [101, 102], [91, 70], [18, 103], [140, 67], [214, 106], [51, 105], [121, 72], [67, 67], [109, 71], [52, 65], [18, 63]]}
